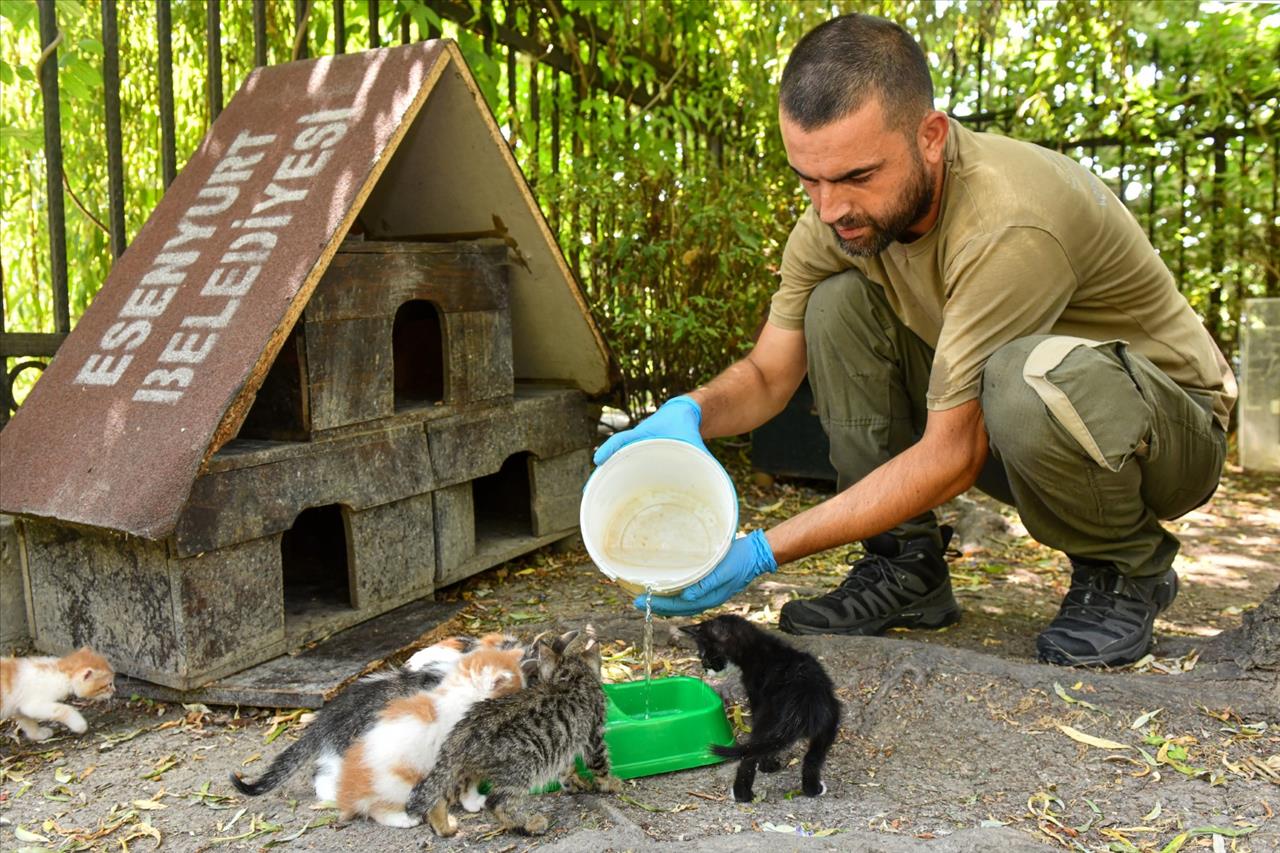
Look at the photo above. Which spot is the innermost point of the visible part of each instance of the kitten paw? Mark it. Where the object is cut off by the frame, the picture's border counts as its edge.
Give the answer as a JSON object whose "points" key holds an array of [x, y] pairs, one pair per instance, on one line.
{"points": [[445, 827], [473, 800], [78, 725], [397, 819], [536, 825], [822, 789], [608, 784], [571, 781], [42, 733], [747, 796]]}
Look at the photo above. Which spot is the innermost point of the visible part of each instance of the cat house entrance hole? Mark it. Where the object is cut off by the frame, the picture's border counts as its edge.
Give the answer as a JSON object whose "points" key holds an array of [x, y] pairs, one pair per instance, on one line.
{"points": [[502, 503], [280, 411], [315, 558], [417, 347]]}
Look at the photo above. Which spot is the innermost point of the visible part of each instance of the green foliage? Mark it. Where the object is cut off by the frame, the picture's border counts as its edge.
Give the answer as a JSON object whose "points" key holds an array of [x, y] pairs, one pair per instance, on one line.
{"points": [[666, 181]]}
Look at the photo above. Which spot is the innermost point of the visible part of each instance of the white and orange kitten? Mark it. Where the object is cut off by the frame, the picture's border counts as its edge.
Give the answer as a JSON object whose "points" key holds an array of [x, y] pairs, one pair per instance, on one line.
{"points": [[379, 770], [32, 689]]}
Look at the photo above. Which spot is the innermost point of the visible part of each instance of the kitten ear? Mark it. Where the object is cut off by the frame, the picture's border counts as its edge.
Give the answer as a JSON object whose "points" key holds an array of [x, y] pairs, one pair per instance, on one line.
{"points": [[565, 641], [691, 630], [545, 651], [86, 675]]}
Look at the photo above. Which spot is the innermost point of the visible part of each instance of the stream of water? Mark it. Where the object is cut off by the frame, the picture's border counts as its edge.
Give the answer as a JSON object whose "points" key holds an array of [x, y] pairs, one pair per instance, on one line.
{"points": [[647, 647]]}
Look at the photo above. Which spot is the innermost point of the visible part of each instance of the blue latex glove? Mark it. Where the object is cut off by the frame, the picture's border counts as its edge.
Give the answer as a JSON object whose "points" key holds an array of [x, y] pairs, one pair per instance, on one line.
{"points": [[678, 418], [749, 557]]}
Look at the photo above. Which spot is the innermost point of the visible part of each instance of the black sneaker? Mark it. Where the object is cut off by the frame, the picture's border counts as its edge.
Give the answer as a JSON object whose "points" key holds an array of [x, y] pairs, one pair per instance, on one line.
{"points": [[1106, 618], [896, 585]]}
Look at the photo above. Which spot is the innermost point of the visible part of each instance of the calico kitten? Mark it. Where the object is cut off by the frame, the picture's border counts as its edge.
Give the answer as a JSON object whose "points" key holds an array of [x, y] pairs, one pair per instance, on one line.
{"points": [[524, 740], [354, 711], [32, 689], [790, 694], [380, 769]]}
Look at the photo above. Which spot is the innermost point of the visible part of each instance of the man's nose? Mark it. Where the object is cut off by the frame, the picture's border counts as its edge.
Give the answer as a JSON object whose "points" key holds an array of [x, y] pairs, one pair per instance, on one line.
{"points": [[831, 205]]}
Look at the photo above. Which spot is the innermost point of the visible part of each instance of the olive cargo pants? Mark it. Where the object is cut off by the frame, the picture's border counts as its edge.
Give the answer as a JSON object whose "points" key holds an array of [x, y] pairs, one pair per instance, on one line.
{"points": [[1090, 441]]}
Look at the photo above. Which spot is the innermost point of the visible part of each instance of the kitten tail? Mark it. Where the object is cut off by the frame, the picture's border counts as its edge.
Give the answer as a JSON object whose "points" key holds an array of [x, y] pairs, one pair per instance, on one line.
{"points": [[754, 748], [285, 764]]}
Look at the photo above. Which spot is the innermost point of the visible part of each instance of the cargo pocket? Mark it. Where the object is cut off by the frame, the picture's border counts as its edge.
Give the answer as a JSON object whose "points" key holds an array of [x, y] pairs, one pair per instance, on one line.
{"points": [[1089, 391]]}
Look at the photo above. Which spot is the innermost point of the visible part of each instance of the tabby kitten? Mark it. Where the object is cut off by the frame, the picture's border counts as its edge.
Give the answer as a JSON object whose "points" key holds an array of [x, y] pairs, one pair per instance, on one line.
{"points": [[354, 711], [524, 740], [32, 689], [790, 694]]}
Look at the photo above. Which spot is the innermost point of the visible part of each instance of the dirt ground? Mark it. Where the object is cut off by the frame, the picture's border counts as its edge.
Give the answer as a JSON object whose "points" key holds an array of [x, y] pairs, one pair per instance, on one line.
{"points": [[954, 740]]}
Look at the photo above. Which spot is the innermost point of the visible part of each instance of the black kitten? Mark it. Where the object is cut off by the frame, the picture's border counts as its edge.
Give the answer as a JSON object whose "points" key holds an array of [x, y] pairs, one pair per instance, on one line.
{"points": [[791, 698]]}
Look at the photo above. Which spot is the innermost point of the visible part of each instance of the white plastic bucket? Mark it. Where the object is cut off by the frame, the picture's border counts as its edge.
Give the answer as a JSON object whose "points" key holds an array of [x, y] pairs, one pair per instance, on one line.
{"points": [[659, 514]]}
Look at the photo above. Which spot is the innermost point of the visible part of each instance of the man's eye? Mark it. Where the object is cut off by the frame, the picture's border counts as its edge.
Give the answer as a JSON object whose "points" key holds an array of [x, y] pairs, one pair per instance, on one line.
{"points": [[856, 179]]}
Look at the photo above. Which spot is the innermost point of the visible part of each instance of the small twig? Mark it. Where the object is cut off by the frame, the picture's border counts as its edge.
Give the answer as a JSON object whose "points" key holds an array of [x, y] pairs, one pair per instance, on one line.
{"points": [[48, 51], [66, 183], [665, 87], [703, 796], [302, 31], [639, 804]]}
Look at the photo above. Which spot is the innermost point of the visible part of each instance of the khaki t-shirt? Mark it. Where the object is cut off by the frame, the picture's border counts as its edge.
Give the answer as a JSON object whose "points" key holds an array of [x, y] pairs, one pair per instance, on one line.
{"points": [[1027, 242]]}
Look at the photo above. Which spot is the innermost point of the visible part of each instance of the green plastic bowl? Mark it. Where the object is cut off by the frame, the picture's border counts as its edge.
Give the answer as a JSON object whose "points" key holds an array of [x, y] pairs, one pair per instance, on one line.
{"points": [[685, 715]]}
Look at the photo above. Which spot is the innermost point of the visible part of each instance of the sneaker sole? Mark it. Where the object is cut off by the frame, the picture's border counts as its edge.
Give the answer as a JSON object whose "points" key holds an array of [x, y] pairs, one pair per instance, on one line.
{"points": [[935, 611], [1051, 654]]}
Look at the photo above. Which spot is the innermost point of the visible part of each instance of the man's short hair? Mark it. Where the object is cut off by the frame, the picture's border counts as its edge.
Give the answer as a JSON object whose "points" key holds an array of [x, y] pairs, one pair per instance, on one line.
{"points": [[838, 65]]}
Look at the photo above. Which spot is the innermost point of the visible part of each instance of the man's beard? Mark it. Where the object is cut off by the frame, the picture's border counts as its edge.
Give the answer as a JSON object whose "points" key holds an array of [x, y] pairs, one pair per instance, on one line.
{"points": [[911, 207]]}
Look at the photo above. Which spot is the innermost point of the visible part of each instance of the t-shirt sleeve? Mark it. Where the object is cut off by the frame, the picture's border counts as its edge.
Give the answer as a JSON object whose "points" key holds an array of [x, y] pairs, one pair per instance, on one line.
{"points": [[810, 256], [999, 287]]}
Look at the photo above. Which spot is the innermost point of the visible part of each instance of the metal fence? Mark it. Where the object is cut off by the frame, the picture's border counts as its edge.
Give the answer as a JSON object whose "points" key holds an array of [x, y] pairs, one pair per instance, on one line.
{"points": [[32, 350], [573, 62]]}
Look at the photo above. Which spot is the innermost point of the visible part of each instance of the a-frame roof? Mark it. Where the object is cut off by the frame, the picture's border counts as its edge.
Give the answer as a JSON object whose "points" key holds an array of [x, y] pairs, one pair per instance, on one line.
{"points": [[164, 365]]}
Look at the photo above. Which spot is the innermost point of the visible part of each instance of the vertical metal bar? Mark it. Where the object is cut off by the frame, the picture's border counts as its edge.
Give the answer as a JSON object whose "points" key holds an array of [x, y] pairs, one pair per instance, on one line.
{"points": [[49, 36], [511, 77], [555, 123], [168, 144], [301, 12], [6, 388], [213, 42], [339, 27], [115, 145], [489, 25], [259, 33], [374, 39], [534, 105]]}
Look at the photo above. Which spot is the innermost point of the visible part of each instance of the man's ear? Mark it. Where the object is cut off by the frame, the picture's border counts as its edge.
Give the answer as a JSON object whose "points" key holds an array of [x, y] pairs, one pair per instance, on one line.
{"points": [[931, 136]]}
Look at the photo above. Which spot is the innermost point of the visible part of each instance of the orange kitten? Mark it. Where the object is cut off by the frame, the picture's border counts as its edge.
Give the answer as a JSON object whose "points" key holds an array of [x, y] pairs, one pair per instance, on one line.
{"points": [[32, 689]]}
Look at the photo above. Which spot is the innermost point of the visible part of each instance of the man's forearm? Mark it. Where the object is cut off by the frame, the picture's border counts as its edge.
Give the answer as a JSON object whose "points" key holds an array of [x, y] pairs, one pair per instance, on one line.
{"points": [[736, 401], [755, 388], [920, 478]]}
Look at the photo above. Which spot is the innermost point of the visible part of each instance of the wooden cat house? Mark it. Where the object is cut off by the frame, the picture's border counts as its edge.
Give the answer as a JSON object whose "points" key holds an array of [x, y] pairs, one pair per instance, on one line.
{"points": [[342, 364]]}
